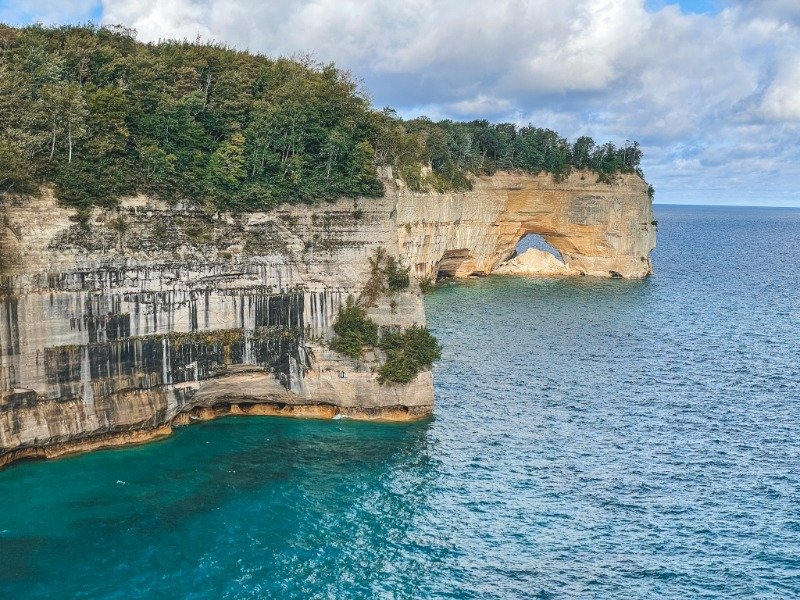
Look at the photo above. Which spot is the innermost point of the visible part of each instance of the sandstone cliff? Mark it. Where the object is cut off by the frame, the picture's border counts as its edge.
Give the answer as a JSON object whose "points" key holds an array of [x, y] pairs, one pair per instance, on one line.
{"points": [[599, 229], [114, 326]]}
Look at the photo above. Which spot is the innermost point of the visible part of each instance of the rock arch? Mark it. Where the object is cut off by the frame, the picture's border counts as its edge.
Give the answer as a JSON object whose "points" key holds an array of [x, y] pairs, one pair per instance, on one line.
{"points": [[604, 230], [538, 258]]}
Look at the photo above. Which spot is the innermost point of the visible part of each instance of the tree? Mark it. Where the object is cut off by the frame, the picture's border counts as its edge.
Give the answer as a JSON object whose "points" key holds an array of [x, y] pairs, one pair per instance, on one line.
{"points": [[408, 353], [107, 110], [98, 114], [226, 167], [363, 177], [582, 151], [73, 115], [15, 170], [353, 329]]}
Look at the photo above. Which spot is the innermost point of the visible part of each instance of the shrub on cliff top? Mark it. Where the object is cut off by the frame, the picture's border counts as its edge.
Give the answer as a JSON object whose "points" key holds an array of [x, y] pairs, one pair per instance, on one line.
{"points": [[353, 329], [427, 285], [397, 278], [408, 353]]}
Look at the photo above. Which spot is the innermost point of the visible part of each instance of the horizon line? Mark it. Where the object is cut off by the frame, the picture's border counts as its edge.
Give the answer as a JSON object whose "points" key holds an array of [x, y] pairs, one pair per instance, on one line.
{"points": [[727, 205]]}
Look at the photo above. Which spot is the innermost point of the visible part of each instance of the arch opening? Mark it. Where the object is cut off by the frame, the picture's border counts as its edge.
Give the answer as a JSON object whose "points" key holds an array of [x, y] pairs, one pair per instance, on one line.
{"points": [[536, 241], [534, 256]]}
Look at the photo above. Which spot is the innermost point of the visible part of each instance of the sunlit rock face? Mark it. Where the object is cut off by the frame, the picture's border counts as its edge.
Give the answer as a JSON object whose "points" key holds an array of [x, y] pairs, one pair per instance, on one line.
{"points": [[125, 321], [118, 324], [599, 229]]}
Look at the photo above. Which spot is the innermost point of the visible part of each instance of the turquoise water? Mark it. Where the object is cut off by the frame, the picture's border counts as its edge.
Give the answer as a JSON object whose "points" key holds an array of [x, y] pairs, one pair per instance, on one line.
{"points": [[592, 439]]}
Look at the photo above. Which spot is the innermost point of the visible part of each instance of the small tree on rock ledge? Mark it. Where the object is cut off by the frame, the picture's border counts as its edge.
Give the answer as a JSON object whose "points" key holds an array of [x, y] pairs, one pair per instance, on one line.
{"points": [[354, 330]]}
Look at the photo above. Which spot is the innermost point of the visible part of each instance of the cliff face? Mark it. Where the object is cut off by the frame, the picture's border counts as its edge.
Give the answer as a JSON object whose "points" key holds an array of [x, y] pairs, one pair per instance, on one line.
{"points": [[599, 229], [120, 325], [117, 325]]}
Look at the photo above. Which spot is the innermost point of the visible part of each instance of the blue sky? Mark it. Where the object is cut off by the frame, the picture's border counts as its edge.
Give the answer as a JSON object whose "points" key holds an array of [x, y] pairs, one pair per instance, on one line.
{"points": [[710, 88], [687, 6]]}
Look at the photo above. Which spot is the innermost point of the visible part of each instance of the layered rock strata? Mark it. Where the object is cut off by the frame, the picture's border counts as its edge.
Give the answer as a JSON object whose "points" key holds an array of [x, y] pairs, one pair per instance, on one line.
{"points": [[604, 230], [118, 324]]}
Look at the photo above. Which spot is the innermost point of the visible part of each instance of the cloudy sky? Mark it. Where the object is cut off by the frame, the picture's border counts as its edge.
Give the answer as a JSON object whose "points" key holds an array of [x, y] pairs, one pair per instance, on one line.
{"points": [[710, 88]]}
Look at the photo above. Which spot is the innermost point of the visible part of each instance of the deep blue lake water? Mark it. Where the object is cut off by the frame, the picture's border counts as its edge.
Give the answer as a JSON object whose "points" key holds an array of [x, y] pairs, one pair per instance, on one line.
{"points": [[592, 439]]}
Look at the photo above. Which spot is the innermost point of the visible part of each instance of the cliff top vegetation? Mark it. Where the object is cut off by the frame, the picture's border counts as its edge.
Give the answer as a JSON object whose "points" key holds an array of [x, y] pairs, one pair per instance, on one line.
{"points": [[100, 115]]}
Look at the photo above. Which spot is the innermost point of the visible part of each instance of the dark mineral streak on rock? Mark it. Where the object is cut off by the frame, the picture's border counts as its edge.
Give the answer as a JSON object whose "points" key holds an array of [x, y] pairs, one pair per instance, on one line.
{"points": [[111, 336]]}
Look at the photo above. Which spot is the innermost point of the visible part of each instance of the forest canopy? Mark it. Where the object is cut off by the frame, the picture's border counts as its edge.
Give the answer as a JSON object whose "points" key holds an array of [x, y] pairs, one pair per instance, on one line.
{"points": [[100, 115]]}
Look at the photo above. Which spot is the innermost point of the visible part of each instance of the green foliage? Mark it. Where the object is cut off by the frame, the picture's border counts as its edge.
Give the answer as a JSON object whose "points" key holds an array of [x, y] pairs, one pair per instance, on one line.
{"points": [[609, 178], [455, 150], [119, 224], [199, 233], [226, 167], [408, 353], [85, 184], [159, 230], [427, 285], [15, 170], [101, 115], [412, 175], [397, 278], [353, 329], [82, 216], [386, 275], [375, 285]]}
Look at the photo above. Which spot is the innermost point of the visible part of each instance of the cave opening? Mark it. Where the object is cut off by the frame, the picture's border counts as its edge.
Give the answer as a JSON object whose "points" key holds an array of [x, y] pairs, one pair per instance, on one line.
{"points": [[450, 262], [534, 240]]}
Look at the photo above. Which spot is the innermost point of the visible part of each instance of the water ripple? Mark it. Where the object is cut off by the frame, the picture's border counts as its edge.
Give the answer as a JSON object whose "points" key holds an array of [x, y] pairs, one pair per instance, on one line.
{"points": [[592, 439]]}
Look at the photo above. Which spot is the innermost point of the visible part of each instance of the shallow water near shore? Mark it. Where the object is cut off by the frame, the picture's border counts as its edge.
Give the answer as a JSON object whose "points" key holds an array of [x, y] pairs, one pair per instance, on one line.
{"points": [[592, 438]]}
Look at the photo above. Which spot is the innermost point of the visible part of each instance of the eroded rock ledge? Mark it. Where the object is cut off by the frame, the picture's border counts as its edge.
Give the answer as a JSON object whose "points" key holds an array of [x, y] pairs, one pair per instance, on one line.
{"points": [[118, 326]]}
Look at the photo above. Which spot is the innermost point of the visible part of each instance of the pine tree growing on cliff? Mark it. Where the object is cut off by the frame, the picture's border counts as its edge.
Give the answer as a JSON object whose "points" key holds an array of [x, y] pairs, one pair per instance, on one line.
{"points": [[353, 329]]}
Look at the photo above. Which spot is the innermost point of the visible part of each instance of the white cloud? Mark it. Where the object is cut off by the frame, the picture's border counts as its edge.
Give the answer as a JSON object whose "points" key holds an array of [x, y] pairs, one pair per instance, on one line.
{"points": [[782, 10], [169, 19], [599, 40], [782, 98], [481, 105]]}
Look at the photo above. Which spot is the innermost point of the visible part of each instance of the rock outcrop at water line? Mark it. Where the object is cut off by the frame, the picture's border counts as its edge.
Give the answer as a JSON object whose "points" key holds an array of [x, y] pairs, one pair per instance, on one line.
{"points": [[118, 324], [534, 262]]}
